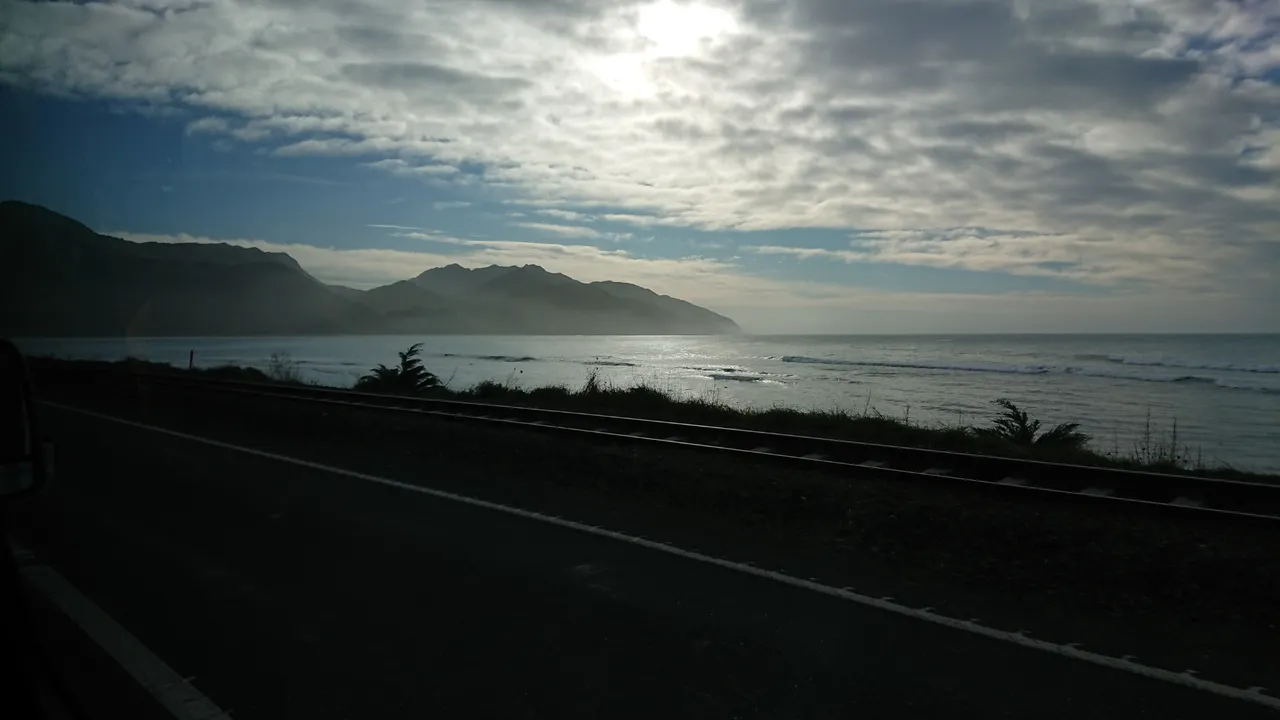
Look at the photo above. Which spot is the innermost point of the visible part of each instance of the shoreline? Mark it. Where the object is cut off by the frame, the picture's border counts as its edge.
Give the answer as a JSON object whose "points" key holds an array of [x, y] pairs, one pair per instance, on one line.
{"points": [[1156, 452]]}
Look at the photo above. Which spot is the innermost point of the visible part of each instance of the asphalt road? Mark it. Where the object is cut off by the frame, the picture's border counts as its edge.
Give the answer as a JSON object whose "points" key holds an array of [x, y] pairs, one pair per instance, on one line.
{"points": [[288, 591]]}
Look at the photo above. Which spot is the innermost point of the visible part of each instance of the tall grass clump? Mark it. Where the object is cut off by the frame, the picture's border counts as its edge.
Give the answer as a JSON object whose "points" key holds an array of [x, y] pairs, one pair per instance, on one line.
{"points": [[1158, 451], [593, 385], [282, 368]]}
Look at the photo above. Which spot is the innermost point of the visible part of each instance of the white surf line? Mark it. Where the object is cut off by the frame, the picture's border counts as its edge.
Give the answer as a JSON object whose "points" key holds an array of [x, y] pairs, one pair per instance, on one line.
{"points": [[1185, 679], [170, 689]]}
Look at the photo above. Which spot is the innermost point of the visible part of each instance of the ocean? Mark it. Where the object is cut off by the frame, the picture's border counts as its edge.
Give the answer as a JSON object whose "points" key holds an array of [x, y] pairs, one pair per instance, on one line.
{"points": [[1222, 391]]}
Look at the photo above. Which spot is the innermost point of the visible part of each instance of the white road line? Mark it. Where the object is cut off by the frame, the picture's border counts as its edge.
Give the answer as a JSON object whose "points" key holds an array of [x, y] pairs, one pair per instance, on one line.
{"points": [[1124, 664], [175, 693]]}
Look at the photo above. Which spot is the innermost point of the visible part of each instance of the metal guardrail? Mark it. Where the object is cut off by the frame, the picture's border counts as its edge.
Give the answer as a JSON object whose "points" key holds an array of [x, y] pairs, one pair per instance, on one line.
{"points": [[1228, 498]]}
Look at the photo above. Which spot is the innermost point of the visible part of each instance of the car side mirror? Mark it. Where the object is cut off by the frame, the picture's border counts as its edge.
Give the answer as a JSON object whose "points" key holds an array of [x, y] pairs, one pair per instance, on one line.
{"points": [[26, 460]]}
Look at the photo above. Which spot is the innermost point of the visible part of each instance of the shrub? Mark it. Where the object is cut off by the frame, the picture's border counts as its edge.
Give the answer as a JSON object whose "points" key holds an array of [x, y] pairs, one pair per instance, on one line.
{"points": [[407, 378], [491, 390], [234, 373], [557, 394], [1016, 427]]}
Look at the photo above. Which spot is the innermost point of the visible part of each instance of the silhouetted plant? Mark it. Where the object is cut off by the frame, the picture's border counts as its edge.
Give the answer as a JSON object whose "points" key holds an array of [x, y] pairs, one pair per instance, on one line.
{"points": [[1164, 452], [282, 368], [593, 384], [407, 378], [490, 390], [1015, 426]]}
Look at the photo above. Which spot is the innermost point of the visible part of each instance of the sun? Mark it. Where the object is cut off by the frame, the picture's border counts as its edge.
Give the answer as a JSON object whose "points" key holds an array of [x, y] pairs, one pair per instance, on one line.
{"points": [[665, 29], [679, 29]]}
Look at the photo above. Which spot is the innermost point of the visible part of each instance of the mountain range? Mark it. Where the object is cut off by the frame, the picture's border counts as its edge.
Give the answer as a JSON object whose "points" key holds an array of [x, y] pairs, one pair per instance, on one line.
{"points": [[60, 278]]}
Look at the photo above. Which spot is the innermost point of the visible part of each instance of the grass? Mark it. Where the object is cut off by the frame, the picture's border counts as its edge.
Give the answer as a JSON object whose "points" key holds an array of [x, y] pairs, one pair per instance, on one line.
{"points": [[1011, 432], [282, 368], [286, 372]]}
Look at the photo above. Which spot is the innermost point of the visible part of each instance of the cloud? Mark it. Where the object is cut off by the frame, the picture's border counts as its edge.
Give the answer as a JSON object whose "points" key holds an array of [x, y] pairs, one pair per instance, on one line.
{"points": [[577, 231], [1082, 257], [640, 220], [208, 125], [450, 205], [562, 214], [804, 253], [427, 80], [433, 236], [395, 166], [394, 227], [1104, 141]]}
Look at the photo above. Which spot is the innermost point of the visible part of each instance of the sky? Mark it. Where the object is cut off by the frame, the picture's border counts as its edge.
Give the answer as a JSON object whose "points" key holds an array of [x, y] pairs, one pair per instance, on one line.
{"points": [[800, 165]]}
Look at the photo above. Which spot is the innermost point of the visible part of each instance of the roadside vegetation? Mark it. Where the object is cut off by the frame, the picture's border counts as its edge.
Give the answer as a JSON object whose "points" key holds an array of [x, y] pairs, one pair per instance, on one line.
{"points": [[74, 368], [1011, 431], [282, 368], [407, 378]]}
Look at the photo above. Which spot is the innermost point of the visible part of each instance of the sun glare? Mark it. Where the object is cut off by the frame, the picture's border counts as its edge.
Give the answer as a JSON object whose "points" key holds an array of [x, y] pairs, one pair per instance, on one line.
{"points": [[667, 29], [679, 29]]}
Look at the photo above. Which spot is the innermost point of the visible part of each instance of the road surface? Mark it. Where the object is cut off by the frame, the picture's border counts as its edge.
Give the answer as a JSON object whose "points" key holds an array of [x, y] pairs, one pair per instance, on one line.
{"points": [[289, 591]]}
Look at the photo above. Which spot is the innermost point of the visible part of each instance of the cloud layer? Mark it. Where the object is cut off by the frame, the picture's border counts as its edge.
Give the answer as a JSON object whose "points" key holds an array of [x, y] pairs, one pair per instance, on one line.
{"points": [[1104, 141]]}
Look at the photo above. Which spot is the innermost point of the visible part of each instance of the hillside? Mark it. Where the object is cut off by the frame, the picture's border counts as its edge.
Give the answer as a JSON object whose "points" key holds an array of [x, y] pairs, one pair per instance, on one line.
{"points": [[60, 278], [529, 299]]}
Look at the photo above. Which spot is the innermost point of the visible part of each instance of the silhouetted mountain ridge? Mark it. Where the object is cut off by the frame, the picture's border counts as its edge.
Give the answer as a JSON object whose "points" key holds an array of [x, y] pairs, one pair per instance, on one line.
{"points": [[61, 278]]}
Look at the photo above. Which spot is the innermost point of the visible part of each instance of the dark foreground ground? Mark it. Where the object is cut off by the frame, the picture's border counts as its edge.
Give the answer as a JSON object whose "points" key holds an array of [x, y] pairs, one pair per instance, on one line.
{"points": [[289, 591]]}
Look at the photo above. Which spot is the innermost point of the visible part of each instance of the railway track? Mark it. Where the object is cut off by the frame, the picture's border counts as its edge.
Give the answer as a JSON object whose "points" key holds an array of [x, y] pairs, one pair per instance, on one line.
{"points": [[1164, 492]]}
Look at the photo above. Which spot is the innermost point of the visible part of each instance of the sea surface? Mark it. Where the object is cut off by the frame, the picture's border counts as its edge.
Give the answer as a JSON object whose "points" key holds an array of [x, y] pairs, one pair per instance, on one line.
{"points": [[1222, 391]]}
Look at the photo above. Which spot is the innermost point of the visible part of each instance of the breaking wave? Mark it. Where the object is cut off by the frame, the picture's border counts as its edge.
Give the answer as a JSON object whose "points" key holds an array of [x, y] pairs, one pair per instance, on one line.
{"points": [[495, 358], [1229, 384], [964, 367], [1141, 361]]}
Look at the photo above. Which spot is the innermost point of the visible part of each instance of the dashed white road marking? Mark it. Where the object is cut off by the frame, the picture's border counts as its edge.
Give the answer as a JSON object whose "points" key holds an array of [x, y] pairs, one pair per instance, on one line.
{"points": [[1071, 650], [170, 689]]}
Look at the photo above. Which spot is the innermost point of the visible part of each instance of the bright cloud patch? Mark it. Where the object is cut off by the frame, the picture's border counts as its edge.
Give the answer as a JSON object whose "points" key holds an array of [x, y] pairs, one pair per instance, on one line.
{"points": [[566, 230]]}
